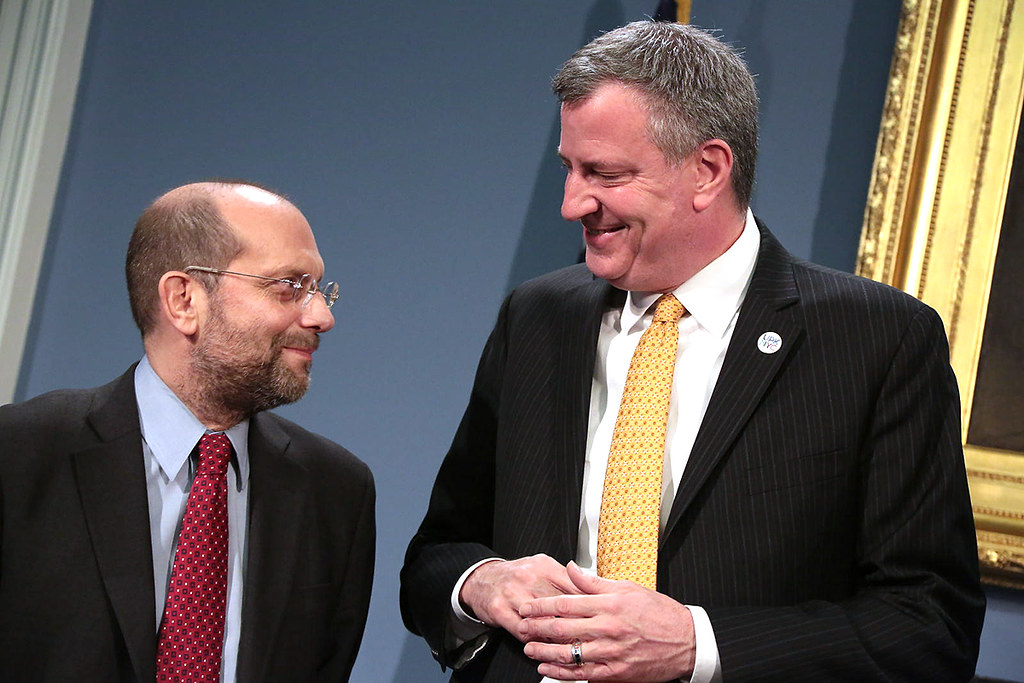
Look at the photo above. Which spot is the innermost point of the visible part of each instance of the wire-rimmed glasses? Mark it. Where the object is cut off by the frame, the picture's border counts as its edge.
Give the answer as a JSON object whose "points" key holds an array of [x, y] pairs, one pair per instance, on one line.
{"points": [[303, 289]]}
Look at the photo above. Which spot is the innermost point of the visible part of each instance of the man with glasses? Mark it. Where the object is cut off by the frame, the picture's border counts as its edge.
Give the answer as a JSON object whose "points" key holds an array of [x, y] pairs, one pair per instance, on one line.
{"points": [[164, 525]]}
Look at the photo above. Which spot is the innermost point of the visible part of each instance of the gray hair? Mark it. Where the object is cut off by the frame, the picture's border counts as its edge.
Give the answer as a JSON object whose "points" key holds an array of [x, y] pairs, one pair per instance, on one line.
{"points": [[694, 87]]}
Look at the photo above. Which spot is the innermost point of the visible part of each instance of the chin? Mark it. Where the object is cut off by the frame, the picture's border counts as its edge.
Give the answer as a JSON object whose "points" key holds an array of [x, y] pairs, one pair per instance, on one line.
{"points": [[600, 267], [613, 278]]}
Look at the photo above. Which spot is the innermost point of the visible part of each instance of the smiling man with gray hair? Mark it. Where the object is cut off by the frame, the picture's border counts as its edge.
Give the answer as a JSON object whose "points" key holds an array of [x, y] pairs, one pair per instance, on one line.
{"points": [[696, 457]]}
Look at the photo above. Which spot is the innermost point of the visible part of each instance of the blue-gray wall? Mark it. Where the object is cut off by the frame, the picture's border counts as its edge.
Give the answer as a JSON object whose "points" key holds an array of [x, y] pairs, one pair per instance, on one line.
{"points": [[419, 140]]}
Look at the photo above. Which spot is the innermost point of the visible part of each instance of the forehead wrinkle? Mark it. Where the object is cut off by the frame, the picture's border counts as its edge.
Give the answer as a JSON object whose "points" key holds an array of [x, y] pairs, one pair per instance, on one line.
{"points": [[276, 267], [266, 258]]}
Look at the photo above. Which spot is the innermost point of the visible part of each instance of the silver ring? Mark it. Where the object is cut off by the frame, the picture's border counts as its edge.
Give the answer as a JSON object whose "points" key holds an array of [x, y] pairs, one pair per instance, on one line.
{"points": [[576, 650]]}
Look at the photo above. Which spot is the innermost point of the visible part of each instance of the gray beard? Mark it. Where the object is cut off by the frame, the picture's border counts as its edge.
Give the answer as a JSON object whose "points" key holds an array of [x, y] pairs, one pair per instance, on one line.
{"points": [[230, 382], [248, 387]]}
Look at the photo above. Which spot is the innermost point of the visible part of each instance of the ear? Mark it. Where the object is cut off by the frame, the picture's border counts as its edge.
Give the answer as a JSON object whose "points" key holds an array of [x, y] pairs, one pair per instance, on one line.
{"points": [[180, 300], [713, 165]]}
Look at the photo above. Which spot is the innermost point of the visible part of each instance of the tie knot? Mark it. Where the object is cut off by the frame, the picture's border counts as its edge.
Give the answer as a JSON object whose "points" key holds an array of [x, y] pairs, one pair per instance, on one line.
{"points": [[214, 455], [668, 309]]}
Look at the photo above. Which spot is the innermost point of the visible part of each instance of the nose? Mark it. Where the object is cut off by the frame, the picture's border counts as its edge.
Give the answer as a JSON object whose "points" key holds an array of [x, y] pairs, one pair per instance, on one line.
{"points": [[316, 315], [577, 200]]}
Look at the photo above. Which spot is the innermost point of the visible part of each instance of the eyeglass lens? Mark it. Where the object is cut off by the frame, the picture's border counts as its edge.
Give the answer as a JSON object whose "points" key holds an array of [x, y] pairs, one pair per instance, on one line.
{"points": [[307, 287]]}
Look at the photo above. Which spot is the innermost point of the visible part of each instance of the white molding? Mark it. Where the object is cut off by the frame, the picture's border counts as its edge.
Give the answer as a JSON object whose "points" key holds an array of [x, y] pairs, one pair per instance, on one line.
{"points": [[42, 43]]}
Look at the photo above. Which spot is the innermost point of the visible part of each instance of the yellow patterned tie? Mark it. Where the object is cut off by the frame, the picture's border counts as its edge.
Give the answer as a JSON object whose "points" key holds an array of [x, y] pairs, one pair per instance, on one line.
{"points": [[627, 535]]}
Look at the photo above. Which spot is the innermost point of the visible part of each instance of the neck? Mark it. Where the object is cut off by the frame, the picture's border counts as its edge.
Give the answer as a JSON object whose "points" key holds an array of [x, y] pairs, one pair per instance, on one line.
{"points": [[214, 416], [195, 392]]}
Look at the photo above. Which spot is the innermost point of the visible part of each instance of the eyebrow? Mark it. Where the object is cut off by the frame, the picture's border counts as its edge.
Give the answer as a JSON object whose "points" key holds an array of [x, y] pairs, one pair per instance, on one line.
{"points": [[292, 273]]}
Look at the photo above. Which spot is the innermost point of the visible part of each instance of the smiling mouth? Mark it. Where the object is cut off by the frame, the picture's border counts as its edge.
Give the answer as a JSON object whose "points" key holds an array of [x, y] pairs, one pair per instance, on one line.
{"points": [[603, 231], [303, 343]]}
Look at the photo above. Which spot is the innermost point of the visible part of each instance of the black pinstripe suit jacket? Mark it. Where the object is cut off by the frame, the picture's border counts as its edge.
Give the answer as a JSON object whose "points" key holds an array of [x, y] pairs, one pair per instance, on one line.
{"points": [[823, 519]]}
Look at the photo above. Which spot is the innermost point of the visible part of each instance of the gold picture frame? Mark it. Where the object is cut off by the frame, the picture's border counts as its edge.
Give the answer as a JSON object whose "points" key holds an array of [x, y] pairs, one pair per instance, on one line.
{"points": [[935, 208]]}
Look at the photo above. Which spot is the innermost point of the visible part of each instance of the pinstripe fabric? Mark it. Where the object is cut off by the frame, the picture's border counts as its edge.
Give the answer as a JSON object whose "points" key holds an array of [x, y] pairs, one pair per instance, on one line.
{"points": [[822, 520]]}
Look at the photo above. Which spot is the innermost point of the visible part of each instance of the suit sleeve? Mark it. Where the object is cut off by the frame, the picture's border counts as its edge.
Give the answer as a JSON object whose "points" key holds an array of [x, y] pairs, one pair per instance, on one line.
{"points": [[915, 612], [458, 527]]}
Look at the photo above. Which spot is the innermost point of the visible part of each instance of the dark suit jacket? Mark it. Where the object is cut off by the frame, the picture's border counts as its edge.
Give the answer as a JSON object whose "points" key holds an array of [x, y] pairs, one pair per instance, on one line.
{"points": [[822, 520], [76, 570]]}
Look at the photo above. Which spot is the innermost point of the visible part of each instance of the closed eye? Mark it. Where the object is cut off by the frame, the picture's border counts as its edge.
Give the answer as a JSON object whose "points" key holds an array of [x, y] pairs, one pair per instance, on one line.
{"points": [[611, 178], [285, 289]]}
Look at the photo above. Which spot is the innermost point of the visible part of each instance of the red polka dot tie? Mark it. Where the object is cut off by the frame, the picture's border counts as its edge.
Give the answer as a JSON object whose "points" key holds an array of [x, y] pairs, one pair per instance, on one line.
{"points": [[627, 532], [192, 630]]}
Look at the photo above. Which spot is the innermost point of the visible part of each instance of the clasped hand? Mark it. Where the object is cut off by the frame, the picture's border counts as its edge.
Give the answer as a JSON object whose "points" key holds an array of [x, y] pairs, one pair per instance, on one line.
{"points": [[626, 632]]}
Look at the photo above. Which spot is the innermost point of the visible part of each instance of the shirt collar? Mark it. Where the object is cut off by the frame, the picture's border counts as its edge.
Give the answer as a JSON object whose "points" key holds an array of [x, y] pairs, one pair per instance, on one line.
{"points": [[172, 431], [714, 294]]}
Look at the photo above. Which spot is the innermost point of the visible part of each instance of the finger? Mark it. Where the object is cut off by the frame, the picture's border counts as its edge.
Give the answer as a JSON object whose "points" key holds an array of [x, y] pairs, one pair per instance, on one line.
{"points": [[553, 653], [559, 672], [506, 616], [577, 606], [562, 658], [562, 585], [559, 580], [591, 652], [589, 584], [557, 629]]}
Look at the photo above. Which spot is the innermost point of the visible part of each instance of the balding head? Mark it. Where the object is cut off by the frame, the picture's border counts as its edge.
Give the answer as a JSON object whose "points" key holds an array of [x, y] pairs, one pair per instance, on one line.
{"points": [[184, 227]]}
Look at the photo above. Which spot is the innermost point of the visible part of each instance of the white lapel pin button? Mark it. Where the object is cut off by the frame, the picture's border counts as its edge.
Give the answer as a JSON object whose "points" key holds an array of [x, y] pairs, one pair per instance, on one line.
{"points": [[769, 342]]}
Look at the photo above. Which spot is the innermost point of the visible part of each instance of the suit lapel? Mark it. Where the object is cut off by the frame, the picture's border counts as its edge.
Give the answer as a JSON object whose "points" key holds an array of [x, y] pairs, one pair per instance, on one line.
{"points": [[276, 495], [112, 485], [580, 323], [747, 372]]}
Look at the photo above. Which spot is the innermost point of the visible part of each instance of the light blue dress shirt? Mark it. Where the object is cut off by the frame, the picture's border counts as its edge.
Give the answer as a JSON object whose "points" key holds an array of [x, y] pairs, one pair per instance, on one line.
{"points": [[170, 432]]}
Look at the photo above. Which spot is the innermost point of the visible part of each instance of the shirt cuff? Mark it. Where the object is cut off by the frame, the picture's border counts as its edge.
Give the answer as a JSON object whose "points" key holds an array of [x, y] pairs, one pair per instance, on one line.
{"points": [[466, 635], [707, 665], [465, 626]]}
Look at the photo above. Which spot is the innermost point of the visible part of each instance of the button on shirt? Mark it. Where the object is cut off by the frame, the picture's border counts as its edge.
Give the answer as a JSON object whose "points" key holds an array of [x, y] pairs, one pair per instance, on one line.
{"points": [[170, 433]]}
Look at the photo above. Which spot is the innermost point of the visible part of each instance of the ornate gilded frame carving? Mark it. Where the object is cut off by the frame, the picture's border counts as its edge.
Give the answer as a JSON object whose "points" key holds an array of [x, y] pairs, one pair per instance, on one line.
{"points": [[935, 207]]}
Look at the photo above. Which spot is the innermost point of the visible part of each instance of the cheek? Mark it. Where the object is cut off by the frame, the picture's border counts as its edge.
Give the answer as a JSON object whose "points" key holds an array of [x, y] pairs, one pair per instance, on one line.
{"points": [[645, 214], [269, 321], [638, 241], [623, 202]]}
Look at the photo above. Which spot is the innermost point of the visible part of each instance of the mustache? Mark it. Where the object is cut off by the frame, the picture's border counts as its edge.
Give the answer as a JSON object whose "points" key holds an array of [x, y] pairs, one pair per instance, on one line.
{"points": [[298, 339]]}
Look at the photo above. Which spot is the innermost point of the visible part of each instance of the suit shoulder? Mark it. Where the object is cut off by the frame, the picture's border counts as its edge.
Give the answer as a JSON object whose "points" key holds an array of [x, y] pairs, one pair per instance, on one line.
{"points": [[50, 411], [316, 452], [49, 423], [560, 290], [823, 286], [780, 276], [555, 283]]}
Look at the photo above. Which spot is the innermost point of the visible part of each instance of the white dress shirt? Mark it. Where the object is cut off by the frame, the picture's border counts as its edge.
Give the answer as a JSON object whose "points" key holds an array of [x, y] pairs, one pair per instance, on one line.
{"points": [[170, 432], [712, 299]]}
